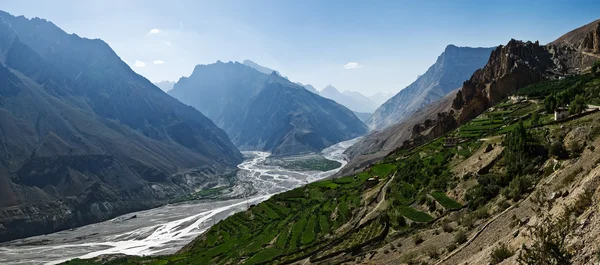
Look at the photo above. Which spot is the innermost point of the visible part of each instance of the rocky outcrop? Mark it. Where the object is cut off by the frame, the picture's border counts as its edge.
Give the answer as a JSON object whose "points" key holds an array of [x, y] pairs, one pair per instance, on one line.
{"points": [[585, 38], [591, 41], [452, 67], [509, 68]]}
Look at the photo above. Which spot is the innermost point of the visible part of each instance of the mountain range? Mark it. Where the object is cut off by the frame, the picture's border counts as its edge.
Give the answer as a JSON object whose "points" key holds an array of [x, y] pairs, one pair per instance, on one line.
{"points": [[363, 106], [83, 138], [266, 112], [451, 68], [353, 100], [165, 85]]}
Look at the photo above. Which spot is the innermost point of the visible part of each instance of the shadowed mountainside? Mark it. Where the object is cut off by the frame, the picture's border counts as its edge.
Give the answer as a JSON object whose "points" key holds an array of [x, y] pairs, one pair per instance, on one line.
{"points": [[83, 138]]}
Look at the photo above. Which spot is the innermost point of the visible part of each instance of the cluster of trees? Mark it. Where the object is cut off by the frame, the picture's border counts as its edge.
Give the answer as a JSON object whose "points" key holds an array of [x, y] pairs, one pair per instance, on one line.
{"points": [[572, 96], [596, 68], [522, 153]]}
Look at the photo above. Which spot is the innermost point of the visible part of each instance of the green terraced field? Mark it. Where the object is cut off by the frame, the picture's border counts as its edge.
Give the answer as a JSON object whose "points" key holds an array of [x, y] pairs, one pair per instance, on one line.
{"points": [[445, 201], [383, 170], [415, 215]]}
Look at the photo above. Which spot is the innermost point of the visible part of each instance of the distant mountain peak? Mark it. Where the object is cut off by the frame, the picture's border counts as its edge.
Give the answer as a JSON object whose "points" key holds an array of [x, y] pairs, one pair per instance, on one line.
{"points": [[308, 87], [265, 111], [452, 67], [260, 68], [330, 88], [165, 85], [353, 100]]}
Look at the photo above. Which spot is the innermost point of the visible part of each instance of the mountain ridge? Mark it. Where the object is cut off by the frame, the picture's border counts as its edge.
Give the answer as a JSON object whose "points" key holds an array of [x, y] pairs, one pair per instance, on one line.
{"points": [[233, 94], [452, 67], [85, 138]]}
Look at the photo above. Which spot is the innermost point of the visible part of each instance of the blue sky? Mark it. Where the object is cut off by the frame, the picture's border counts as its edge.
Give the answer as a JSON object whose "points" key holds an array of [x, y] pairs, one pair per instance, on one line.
{"points": [[368, 46]]}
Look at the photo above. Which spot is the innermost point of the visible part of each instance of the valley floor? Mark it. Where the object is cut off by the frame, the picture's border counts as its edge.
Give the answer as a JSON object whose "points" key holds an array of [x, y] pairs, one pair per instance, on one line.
{"points": [[166, 229]]}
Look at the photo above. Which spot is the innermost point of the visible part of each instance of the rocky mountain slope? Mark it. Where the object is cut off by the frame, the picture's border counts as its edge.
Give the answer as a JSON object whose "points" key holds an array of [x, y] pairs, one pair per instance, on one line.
{"points": [[266, 112], [585, 38], [510, 67], [309, 87], [83, 138], [353, 100], [511, 186], [451, 68]]}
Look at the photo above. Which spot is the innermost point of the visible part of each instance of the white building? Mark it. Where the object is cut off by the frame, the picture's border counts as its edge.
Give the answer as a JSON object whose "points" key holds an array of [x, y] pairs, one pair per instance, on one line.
{"points": [[561, 113]]}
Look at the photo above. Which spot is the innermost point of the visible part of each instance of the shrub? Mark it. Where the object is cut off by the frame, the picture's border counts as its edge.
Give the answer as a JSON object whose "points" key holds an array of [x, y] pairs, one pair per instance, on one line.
{"points": [[447, 228], [549, 242], [584, 201], [596, 68], [451, 247], [467, 222], [577, 105], [481, 213], [517, 187], [558, 150], [418, 239], [535, 119], [577, 148], [460, 237], [409, 258], [401, 221], [432, 252], [550, 103], [500, 253]]}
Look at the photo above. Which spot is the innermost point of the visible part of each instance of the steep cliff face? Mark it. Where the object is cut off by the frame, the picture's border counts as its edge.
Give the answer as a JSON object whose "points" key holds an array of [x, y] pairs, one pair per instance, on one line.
{"points": [[83, 138], [452, 67], [509, 68]]}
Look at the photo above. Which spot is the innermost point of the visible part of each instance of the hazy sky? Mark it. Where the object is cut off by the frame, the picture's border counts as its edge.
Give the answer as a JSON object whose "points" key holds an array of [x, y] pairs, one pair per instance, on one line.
{"points": [[368, 46]]}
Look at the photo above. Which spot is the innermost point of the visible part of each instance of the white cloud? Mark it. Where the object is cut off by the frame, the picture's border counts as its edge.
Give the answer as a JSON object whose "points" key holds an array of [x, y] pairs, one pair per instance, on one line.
{"points": [[158, 62], [166, 42], [154, 31], [139, 64], [353, 65]]}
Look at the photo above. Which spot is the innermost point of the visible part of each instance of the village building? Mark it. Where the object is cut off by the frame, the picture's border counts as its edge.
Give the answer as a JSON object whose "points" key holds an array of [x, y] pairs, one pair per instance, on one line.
{"points": [[561, 113]]}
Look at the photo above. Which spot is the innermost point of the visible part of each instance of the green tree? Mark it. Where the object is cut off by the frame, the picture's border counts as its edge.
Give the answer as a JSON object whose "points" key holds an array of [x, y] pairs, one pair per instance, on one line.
{"points": [[516, 151], [577, 105], [535, 119], [550, 103], [596, 68]]}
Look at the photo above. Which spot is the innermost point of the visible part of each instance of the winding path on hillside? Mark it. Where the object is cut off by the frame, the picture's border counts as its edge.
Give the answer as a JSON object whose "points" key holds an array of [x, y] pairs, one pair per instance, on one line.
{"points": [[381, 199]]}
